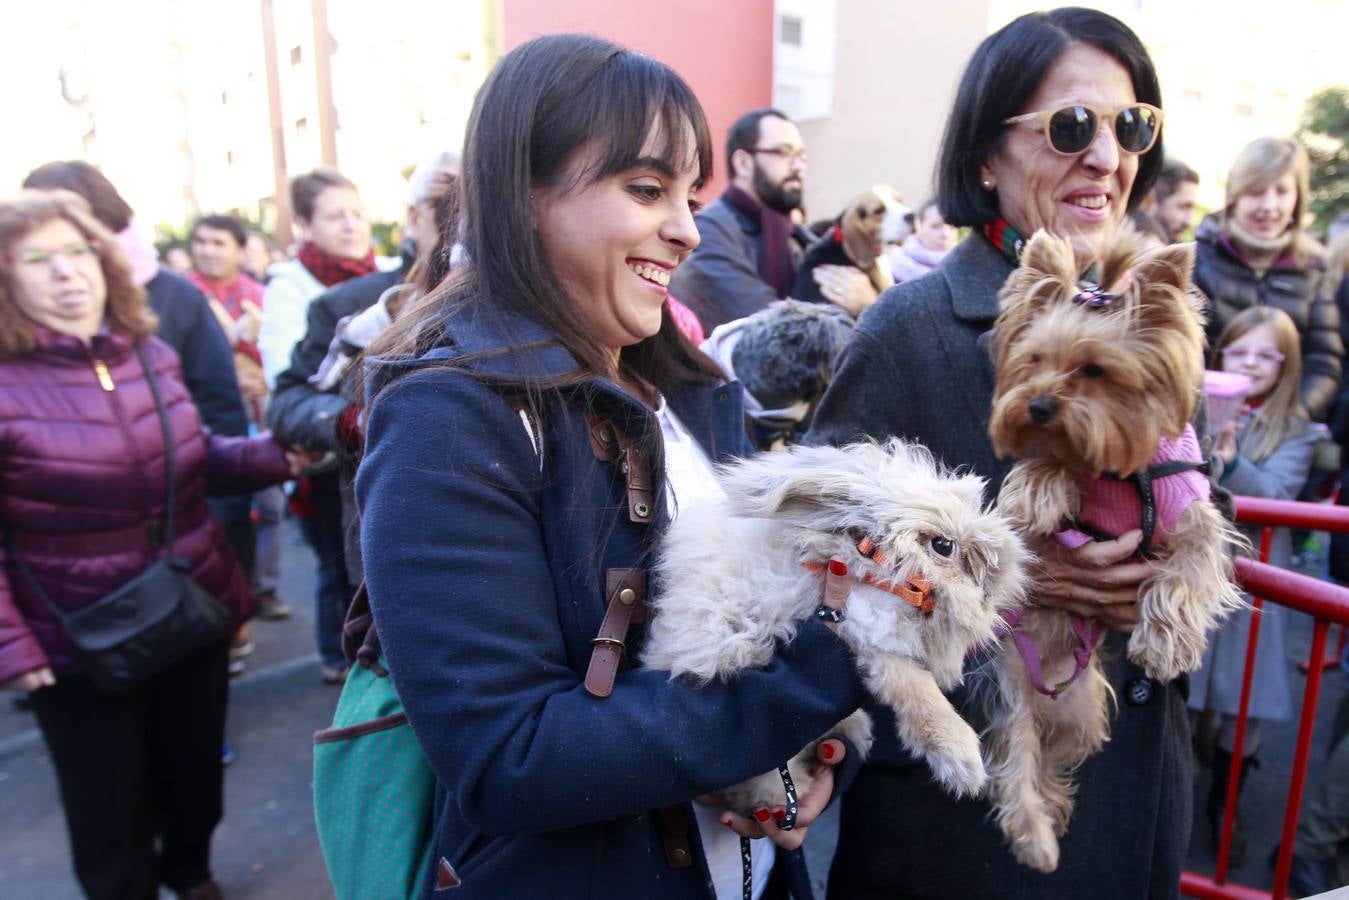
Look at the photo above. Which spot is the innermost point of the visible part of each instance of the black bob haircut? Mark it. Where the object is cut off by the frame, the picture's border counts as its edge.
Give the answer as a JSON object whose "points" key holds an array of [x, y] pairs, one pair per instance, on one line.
{"points": [[237, 229], [1003, 75]]}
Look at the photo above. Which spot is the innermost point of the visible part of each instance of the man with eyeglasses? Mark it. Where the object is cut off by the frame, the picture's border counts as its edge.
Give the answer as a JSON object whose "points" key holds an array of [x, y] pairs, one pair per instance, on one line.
{"points": [[750, 247]]}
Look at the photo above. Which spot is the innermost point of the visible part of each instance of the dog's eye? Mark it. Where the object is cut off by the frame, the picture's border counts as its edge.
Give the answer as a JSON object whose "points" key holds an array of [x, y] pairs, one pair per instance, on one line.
{"points": [[943, 546], [1035, 358], [1091, 370]]}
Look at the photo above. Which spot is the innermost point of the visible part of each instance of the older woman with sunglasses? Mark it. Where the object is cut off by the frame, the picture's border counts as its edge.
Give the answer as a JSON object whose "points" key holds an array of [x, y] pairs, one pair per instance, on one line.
{"points": [[1056, 125], [1255, 252]]}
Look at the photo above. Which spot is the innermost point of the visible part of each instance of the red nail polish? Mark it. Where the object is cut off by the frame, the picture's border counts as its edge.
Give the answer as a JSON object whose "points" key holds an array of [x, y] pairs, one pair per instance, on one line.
{"points": [[779, 814], [762, 815], [726, 822], [827, 751], [838, 567]]}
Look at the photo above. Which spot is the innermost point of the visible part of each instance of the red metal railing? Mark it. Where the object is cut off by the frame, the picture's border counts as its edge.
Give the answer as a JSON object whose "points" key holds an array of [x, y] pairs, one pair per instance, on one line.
{"points": [[1328, 604]]}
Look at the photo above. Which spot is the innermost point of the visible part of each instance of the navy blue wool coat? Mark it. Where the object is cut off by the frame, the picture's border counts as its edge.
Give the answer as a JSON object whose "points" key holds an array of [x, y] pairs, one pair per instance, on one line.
{"points": [[485, 565]]}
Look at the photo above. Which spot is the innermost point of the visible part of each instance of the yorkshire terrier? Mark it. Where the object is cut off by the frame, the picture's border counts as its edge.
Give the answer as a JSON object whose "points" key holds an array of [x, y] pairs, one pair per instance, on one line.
{"points": [[1096, 387], [933, 570]]}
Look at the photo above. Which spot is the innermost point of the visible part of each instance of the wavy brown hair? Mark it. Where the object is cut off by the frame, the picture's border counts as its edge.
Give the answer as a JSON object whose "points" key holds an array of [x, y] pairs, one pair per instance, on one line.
{"points": [[125, 312]]}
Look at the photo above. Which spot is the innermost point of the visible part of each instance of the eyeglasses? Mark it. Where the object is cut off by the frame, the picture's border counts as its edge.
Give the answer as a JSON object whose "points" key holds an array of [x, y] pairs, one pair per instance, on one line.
{"points": [[75, 252], [1072, 129], [1264, 355], [791, 154]]}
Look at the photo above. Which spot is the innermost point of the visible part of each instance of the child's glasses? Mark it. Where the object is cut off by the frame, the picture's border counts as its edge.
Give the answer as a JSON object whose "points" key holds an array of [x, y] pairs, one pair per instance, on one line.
{"points": [[1265, 356]]}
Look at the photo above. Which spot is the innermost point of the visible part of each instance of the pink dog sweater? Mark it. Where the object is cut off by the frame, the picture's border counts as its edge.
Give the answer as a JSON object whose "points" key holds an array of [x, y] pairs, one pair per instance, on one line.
{"points": [[1112, 506]]}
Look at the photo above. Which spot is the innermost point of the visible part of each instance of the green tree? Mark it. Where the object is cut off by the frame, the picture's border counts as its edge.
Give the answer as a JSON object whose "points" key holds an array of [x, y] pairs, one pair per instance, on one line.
{"points": [[1325, 133]]}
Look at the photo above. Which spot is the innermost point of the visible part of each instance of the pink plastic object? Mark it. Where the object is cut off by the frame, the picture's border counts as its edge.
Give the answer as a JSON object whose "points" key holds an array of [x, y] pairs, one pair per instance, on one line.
{"points": [[1226, 393]]}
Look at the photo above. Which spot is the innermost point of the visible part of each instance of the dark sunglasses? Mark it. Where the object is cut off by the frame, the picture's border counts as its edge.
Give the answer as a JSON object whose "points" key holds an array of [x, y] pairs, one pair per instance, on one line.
{"points": [[1072, 129]]}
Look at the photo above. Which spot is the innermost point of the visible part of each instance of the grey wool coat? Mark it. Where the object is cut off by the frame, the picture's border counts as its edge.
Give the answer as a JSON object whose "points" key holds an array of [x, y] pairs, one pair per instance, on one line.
{"points": [[918, 366], [1217, 684]]}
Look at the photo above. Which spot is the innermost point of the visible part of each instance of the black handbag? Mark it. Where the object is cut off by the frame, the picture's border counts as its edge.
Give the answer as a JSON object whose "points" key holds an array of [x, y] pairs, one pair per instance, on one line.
{"points": [[152, 621]]}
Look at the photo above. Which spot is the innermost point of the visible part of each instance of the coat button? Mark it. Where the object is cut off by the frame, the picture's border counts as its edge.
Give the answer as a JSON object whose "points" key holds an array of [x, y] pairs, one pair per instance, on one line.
{"points": [[606, 435], [641, 509], [679, 856], [627, 596], [1138, 692]]}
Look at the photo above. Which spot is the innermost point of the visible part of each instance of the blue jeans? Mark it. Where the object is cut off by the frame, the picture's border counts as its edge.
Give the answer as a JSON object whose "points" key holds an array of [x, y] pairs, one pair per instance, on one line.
{"points": [[323, 531]]}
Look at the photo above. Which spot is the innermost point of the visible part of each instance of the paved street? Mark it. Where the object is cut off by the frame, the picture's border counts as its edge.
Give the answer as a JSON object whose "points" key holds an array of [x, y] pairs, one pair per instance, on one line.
{"points": [[266, 848]]}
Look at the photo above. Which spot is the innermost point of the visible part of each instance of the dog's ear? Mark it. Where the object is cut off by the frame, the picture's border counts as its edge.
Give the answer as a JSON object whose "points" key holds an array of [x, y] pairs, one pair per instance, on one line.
{"points": [[814, 486], [1168, 309], [1170, 264], [1048, 270]]}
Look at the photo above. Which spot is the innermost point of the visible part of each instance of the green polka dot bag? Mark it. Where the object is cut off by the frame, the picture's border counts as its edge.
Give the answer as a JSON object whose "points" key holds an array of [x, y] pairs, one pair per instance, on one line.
{"points": [[373, 793]]}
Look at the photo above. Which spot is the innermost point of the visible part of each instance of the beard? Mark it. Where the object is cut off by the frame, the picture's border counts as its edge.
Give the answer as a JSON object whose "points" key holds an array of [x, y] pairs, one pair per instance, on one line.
{"points": [[774, 195]]}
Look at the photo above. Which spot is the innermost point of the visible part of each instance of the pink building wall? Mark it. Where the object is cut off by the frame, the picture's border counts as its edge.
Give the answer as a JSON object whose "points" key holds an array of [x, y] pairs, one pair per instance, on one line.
{"points": [[724, 50]]}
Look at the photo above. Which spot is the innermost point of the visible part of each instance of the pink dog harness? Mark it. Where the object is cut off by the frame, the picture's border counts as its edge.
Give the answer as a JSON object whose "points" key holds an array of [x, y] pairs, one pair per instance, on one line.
{"points": [[1151, 500]]}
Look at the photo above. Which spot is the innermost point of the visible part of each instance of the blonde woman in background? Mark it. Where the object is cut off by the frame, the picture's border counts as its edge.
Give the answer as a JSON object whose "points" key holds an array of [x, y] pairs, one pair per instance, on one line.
{"points": [[1255, 252]]}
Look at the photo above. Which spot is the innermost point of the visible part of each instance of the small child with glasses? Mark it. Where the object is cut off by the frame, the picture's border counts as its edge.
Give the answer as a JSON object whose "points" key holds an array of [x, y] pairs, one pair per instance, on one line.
{"points": [[1266, 452]]}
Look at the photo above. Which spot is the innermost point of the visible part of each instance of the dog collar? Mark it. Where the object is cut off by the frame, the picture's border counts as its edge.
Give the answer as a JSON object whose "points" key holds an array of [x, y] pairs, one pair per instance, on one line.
{"points": [[916, 590]]}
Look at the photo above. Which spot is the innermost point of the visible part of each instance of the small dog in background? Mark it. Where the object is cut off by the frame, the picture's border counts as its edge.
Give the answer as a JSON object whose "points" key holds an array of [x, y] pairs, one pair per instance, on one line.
{"points": [[871, 220], [784, 358], [934, 571], [1096, 385]]}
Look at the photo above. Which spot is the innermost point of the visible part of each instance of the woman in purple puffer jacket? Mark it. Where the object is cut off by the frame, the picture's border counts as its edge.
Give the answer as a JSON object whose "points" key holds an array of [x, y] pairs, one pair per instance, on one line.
{"points": [[82, 502]]}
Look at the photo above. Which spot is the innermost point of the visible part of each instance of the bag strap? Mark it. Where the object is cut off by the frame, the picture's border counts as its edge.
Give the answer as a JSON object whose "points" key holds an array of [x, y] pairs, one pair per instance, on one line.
{"points": [[169, 453], [13, 550]]}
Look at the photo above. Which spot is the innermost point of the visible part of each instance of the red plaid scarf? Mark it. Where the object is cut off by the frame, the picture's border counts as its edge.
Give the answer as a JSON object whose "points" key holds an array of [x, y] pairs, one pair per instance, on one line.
{"points": [[329, 270]]}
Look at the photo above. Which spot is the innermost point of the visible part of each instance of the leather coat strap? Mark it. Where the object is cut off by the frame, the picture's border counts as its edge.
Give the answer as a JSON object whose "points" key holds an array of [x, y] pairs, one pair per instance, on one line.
{"points": [[626, 593], [612, 445], [673, 822]]}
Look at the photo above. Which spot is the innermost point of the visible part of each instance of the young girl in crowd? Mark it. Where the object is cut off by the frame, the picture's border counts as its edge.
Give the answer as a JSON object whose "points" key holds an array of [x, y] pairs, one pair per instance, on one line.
{"points": [[1267, 452], [514, 487]]}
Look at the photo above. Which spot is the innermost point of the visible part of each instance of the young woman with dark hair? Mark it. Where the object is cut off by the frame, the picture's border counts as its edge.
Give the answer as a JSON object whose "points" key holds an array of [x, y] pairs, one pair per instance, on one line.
{"points": [[526, 420]]}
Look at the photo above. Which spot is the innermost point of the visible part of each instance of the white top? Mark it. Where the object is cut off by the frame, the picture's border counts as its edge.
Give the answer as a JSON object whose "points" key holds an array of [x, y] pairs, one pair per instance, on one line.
{"points": [[285, 311], [689, 480]]}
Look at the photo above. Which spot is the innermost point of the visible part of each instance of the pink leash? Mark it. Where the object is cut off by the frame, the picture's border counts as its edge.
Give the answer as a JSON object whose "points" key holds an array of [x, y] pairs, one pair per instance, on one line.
{"points": [[1089, 633]]}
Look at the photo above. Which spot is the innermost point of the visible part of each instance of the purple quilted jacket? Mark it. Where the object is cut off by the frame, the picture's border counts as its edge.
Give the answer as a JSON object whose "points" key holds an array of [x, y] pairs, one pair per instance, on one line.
{"points": [[82, 486]]}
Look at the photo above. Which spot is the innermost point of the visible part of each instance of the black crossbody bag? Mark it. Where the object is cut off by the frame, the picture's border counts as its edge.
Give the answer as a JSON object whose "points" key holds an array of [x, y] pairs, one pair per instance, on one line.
{"points": [[152, 621]]}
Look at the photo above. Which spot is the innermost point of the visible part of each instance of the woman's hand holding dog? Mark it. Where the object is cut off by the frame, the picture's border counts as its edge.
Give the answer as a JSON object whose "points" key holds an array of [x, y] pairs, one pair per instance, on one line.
{"points": [[1097, 580], [830, 753]]}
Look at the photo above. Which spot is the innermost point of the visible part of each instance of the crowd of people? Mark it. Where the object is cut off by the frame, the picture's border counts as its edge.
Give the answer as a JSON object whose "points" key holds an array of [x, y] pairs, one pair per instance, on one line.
{"points": [[490, 430]]}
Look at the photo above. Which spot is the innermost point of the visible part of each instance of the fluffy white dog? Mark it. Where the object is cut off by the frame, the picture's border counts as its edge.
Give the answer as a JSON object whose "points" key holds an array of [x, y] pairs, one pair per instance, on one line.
{"points": [[934, 570]]}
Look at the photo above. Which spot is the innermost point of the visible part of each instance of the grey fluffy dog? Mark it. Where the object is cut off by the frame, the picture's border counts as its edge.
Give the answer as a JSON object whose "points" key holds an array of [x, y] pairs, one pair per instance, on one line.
{"points": [[784, 357]]}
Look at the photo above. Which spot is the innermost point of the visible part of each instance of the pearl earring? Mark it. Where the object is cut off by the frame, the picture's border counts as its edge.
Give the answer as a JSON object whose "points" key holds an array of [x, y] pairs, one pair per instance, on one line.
{"points": [[987, 183]]}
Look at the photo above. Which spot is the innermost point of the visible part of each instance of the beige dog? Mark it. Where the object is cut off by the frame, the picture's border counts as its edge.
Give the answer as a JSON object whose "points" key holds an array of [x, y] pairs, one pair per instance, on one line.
{"points": [[1096, 386]]}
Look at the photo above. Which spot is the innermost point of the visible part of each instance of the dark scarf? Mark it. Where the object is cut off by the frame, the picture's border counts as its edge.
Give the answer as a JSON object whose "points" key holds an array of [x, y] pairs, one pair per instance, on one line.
{"points": [[329, 270], [1007, 239], [777, 266], [1010, 243]]}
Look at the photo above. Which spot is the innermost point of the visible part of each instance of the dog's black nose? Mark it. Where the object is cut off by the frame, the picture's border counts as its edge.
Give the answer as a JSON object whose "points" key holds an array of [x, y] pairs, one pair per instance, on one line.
{"points": [[1042, 409]]}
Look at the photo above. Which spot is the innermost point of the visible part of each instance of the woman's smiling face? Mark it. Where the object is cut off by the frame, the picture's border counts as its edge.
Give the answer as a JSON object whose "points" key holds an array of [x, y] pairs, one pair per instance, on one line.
{"points": [[614, 243], [1080, 197]]}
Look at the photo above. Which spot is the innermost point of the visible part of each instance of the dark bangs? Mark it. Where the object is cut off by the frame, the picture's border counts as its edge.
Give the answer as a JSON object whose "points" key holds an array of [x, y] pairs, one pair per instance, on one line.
{"points": [[630, 98]]}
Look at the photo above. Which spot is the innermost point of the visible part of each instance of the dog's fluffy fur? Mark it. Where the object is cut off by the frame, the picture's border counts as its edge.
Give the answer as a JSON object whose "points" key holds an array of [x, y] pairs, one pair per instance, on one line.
{"points": [[1117, 380], [734, 586]]}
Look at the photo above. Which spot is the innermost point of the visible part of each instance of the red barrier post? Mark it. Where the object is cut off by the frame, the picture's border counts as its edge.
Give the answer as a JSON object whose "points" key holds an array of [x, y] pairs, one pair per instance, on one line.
{"points": [[1300, 756], [1239, 739]]}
